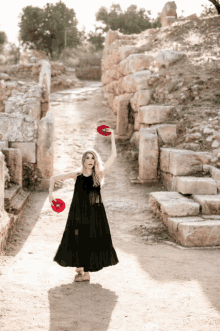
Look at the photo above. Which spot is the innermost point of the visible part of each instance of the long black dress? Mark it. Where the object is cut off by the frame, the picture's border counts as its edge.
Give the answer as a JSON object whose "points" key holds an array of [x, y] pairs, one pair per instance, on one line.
{"points": [[86, 240]]}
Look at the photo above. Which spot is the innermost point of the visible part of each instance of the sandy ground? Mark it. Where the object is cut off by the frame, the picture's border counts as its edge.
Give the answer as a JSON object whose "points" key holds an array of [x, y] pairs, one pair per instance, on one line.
{"points": [[155, 286]]}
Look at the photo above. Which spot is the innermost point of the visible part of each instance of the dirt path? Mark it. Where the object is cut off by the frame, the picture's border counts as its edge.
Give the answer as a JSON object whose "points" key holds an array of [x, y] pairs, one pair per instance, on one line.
{"points": [[155, 286]]}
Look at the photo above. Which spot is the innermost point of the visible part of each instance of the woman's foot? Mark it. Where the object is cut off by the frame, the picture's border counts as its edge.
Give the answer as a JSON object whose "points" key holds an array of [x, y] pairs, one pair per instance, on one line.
{"points": [[80, 272], [82, 278]]}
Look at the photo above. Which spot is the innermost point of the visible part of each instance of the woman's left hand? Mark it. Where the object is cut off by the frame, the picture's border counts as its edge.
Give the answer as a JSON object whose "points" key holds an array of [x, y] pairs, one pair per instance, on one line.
{"points": [[109, 130]]}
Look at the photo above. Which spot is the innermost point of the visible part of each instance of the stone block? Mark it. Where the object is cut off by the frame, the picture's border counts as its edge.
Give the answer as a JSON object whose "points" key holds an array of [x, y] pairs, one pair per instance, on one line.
{"points": [[136, 81], [121, 102], [2, 180], [35, 92], [141, 98], [45, 146], [13, 159], [173, 224], [172, 204], [28, 150], [32, 108], [165, 58], [134, 63], [3, 144], [210, 204], [45, 76], [17, 127], [137, 124], [196, 233], [196, 185], [155, 114], [148, 155], [111, 97], [43, 184], [135, 139], [167, 132], [169, 181], [179, 162]]}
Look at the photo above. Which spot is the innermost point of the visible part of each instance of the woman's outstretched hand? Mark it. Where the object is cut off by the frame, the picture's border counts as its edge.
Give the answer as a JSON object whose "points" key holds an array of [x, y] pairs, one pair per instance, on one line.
{"points": [[108, 130]]}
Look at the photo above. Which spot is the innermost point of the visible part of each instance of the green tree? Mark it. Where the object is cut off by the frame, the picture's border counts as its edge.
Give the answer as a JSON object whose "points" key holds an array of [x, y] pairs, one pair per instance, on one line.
{"points": [[208, 10], [44, 29], [3, 40], [216, 3], [133, 20], [97, 39]]}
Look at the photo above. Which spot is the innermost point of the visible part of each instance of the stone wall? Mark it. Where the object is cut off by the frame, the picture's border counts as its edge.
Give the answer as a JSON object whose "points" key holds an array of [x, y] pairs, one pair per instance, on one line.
{"points": [[136, 86], [23, 114]]}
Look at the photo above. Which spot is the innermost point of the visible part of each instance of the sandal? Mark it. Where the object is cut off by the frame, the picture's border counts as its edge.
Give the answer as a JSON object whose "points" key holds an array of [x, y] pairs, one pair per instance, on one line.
{"points": [[80, 272], [82, 278]]}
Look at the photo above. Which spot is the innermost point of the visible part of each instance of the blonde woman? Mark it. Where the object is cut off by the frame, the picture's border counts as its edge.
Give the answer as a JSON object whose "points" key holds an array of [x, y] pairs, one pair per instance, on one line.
{"points": [[86, 242]]}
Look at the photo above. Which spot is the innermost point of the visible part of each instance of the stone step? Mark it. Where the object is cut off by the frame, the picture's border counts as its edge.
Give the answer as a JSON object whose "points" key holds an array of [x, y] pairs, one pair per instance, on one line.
{"points": [[18, 202], [196, 185], [195, 231], [181, 162], [210, 204], [165, 204], [10, 193]]}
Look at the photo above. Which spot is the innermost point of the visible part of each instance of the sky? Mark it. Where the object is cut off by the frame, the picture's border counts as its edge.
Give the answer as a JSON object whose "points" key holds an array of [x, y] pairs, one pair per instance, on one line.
{"points": [[85, 11]]}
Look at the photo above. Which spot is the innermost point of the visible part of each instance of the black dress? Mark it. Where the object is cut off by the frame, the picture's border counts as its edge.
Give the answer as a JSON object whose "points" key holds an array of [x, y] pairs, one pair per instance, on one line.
{"points": [[86, 240]]}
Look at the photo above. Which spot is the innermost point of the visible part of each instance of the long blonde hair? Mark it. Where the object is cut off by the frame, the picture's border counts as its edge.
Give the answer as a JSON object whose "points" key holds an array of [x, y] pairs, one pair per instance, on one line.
{"points": [[98, 179]]}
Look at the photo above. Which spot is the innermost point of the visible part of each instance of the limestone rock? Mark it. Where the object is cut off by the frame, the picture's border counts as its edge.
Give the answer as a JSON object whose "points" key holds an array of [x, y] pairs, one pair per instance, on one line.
{"points": [[196, 185], [195, 232], [134, 63], [210, 204], [172, 204], [180, 162], [155, 114], [148, 154], [165, 58], [135, 139], [141, 98], [136, 81], [167, 132]]}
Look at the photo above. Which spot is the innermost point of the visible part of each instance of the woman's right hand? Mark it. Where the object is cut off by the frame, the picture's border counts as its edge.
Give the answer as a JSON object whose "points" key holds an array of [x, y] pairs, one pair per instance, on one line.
{"points": [[51, 198]]}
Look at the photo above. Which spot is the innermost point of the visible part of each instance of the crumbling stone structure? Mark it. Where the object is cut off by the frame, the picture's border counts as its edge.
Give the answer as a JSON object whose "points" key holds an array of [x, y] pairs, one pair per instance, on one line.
{"points": [[131, 78], [27, 127]]}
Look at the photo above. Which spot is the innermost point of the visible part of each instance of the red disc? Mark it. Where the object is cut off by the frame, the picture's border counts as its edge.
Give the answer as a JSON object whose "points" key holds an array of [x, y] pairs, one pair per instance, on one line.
{"points": [[100, 128], [58, 206]]}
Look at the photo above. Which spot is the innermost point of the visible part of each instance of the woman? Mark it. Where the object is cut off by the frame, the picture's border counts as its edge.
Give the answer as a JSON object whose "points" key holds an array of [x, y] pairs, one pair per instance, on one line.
{"points": [[86, 242]]}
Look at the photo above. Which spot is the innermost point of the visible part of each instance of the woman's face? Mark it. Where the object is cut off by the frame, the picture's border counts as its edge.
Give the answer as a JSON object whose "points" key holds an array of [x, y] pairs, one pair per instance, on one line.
{"points": [[89, 161]]}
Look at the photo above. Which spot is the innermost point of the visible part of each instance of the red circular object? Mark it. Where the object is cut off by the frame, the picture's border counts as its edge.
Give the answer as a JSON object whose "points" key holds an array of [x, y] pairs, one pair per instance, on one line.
{"points": [[100, 128], [58, 206]]}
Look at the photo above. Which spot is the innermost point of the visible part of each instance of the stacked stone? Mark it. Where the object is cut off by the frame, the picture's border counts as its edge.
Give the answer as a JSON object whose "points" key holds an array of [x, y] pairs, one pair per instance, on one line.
{"points": [[21, 70], [8, 89], [128, 82], [32, 70]]}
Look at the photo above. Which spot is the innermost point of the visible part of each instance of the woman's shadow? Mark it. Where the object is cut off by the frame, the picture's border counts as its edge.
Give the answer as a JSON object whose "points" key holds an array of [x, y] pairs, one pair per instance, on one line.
{"points": [[81, 306]]}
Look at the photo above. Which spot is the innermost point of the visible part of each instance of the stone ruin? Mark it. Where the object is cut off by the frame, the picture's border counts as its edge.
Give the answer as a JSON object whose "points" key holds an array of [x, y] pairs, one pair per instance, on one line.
{"points": [[169, 15], [191, 210], [26, 144]]}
